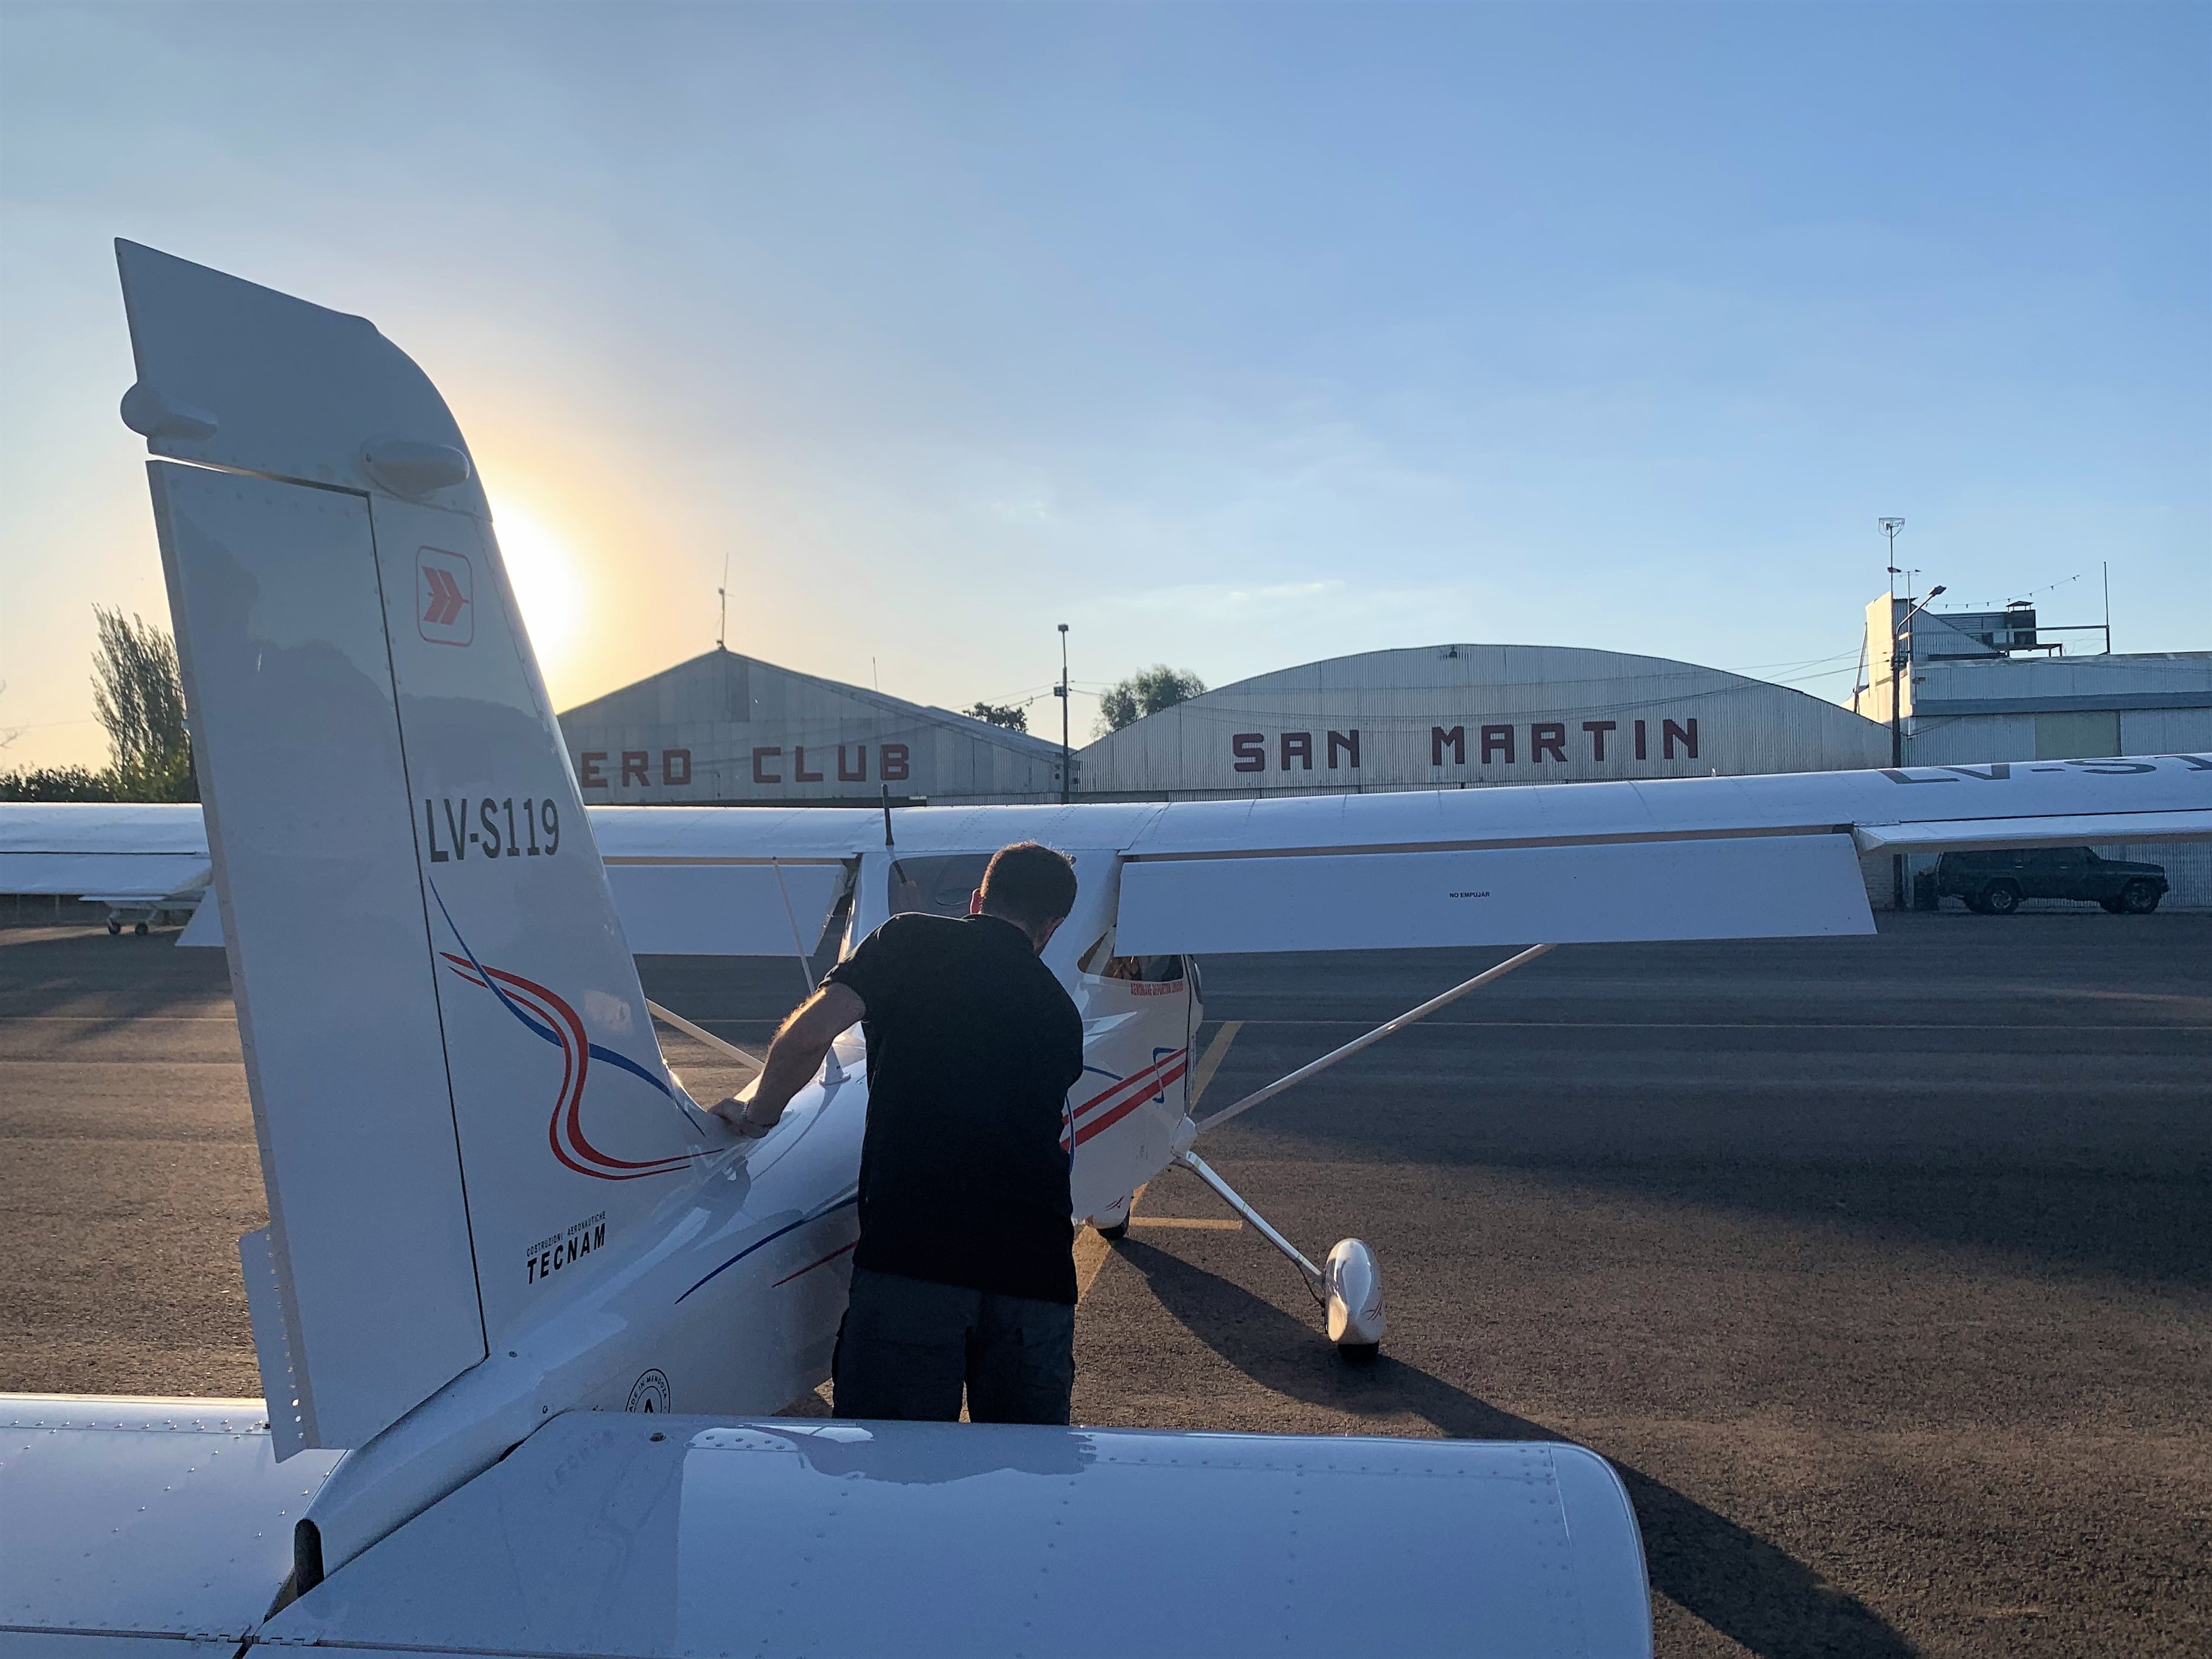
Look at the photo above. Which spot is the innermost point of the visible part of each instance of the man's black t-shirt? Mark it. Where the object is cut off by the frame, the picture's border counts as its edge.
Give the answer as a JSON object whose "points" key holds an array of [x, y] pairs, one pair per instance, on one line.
{"points": [[973, 1046]]}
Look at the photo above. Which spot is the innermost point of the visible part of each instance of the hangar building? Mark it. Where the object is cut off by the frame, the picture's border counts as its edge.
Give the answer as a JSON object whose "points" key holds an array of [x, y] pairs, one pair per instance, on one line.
{"points": [[1446, 715], [724, 729]]}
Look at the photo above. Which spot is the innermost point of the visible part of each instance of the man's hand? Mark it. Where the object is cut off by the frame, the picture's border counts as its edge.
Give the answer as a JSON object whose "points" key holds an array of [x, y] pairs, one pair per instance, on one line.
{"points": [[737, 1114], [792, 1058]]}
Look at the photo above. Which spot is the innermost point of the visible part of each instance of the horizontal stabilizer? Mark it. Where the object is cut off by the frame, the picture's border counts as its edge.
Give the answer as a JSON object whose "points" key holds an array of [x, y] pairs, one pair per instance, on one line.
{"points": [[1745, 887], [168, 1521], [611, 1533]]}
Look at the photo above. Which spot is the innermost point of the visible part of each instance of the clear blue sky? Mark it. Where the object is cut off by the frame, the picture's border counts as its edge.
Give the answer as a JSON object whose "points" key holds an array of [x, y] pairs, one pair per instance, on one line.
{"points": [[1233, 336]]}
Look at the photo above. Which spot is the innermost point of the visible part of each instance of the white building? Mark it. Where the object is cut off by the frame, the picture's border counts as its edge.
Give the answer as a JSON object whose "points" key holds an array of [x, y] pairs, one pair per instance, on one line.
{"points": [[1981, 686], [1446, 715]]}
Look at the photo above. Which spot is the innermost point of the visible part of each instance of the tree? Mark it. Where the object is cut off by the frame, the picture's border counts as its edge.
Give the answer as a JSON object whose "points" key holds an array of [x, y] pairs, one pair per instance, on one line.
{"points": [[1013, 717], [140, 698], [56, 783], [1145, 692]]}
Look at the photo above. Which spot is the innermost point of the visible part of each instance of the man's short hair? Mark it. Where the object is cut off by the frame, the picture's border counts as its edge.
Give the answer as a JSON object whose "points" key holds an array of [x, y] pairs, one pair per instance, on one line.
{"points": [[1029, 883]]}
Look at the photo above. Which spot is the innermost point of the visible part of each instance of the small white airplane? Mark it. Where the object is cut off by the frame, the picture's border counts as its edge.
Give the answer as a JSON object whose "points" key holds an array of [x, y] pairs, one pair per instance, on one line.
{"points": [[521, 1303]]}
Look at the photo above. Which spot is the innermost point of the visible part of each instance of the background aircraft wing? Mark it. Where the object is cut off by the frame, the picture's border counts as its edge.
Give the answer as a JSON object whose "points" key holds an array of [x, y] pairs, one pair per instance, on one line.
{"points": [[703, 881], [105, 851]]}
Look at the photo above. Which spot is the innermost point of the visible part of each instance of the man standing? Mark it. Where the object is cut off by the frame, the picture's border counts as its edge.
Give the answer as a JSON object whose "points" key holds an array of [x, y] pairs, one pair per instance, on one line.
{"points": [[965, 1271]]}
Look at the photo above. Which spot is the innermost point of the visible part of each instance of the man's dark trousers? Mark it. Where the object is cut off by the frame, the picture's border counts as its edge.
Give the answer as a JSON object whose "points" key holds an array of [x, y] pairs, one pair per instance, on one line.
{"points": [[908, 1345]]}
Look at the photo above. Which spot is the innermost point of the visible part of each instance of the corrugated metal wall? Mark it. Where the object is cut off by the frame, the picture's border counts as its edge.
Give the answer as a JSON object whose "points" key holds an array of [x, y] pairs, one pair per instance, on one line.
{"points": [[1474, 715], [724, 728]]}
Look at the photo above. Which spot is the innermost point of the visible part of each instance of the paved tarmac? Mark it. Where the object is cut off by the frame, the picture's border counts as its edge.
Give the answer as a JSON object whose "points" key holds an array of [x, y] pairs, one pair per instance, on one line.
{"points": [[1881, 1268]]}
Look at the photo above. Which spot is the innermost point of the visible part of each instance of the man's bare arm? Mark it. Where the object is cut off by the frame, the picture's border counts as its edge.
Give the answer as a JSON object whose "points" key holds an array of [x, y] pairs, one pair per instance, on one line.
{"points": [[794, 1058]]}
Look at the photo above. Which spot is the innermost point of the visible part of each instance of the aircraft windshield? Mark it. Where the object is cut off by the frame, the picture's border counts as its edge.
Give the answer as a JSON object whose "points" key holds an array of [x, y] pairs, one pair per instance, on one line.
{"points": [[938, 886]]}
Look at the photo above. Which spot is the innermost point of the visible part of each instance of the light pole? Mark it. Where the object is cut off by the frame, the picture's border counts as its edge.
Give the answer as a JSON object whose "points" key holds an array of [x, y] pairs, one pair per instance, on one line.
{"points": [[1889, 527], [1060, 691], [1901, 652]]}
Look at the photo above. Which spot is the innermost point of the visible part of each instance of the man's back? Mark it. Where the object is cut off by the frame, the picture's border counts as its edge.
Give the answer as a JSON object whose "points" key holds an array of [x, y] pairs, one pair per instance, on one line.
{"points": [[973, 1046]]}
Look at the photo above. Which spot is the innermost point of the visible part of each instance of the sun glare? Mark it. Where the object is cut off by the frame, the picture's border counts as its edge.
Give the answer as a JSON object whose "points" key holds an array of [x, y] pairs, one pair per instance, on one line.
{"points": [[549, 584]]}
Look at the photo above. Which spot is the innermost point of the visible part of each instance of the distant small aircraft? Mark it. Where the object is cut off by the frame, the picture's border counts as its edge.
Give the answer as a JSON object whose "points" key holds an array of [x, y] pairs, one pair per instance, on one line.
{"points": [[521, 1300]]}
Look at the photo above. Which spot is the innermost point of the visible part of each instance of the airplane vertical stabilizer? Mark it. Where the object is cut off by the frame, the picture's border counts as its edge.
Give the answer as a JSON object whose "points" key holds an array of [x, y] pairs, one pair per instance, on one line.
{"points": [[459, 1098]]}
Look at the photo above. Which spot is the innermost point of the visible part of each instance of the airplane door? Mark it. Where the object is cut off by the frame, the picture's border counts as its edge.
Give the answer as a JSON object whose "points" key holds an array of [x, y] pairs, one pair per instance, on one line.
{"points": [[1136, 1058]]}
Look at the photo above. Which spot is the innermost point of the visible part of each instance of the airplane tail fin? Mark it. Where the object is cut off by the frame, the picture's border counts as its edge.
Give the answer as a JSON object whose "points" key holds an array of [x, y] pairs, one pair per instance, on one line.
{"points": [[456, 1091]]}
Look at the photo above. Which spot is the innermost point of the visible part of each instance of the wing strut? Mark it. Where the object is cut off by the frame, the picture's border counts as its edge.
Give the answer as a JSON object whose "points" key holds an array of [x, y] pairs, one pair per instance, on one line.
{"points": [[700, 1034], [1349, 1288], [1199, 1167], [1259, 1095]]}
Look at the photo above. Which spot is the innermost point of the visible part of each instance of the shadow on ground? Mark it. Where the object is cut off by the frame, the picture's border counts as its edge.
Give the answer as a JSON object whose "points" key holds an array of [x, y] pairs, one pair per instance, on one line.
{"points": [[1735, 1581], [106, 983]]}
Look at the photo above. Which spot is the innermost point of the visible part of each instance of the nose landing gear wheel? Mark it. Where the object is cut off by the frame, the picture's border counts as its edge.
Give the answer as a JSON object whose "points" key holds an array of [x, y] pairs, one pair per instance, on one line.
{"points": [[1352, 1286], [1114, 1224]]}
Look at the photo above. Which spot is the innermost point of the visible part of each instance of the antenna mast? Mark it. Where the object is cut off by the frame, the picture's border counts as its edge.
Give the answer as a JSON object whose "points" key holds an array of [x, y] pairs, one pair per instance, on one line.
{"points": [[722, 594]]}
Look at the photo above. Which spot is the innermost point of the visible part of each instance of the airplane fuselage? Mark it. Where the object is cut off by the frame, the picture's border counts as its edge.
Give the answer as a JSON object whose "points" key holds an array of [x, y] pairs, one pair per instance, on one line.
{"points": [[728, 1297]]}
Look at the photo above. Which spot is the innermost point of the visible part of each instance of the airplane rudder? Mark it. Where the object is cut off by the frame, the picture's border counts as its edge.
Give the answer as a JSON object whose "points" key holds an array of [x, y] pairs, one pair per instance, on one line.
{"points": [[281, 644]]}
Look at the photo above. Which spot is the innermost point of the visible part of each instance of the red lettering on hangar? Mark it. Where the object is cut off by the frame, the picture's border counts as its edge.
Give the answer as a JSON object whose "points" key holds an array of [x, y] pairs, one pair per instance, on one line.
{"points": [[1534, 742], [892, 764], [1547, 740], [1248, 750], [637, 763]]}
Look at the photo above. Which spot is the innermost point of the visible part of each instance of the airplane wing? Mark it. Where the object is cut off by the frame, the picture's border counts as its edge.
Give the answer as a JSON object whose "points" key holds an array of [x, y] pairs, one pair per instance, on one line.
{"points": [[1694, 858], [124, 854], [677, 891], [1687, 859], [159, 1529]]}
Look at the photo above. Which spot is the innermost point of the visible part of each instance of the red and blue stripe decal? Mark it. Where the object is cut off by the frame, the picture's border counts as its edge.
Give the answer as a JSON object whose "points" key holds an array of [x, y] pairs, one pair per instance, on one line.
{"points": [[555, 1018], [847, 1201], [548, 1014], [1106, 1108]]}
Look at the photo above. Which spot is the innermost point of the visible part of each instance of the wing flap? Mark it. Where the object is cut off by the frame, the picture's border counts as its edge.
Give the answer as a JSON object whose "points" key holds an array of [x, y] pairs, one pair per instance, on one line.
{"points": [[725, 909], [611, 1533], [2072, 830], [1749, 887]]}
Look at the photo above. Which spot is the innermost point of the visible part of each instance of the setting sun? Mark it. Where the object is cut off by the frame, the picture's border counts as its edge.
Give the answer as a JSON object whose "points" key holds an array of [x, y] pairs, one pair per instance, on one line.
{"points": [[547, 582]]}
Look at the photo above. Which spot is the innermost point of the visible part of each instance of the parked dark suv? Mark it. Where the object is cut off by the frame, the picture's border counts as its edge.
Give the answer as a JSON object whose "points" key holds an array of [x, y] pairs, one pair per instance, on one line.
{"points": [[1994, 884]]}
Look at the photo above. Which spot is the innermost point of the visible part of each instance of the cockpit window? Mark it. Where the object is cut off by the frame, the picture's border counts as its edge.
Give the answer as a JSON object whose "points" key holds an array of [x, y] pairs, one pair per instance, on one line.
{"points": [[1143, 970], [1138, 970], [937, 885]]}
